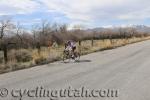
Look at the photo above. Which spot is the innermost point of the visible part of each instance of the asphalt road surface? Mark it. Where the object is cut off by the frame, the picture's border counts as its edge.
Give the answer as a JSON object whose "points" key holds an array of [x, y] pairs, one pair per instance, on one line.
{"points": [[124, 71]]}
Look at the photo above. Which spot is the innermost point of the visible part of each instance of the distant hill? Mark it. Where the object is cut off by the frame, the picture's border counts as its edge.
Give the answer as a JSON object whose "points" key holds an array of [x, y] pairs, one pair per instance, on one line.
{"points": [[139, 28]]}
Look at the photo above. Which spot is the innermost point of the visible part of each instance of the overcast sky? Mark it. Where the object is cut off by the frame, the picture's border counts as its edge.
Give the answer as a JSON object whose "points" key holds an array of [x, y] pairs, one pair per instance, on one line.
{"points": [[90, 13]]}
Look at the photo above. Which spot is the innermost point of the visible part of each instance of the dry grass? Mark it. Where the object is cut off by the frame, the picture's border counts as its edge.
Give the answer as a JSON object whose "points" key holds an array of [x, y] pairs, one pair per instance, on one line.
{"points": [[48, 55]]}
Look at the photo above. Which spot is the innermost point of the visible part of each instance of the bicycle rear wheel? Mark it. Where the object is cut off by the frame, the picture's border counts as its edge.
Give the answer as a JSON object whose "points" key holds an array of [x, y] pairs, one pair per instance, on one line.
{"points": [[77, 56]]}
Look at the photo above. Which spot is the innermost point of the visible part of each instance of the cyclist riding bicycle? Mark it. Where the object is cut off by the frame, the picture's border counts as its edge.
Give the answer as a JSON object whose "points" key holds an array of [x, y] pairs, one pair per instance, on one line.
{"points": [[70, 51], [70, 46]]}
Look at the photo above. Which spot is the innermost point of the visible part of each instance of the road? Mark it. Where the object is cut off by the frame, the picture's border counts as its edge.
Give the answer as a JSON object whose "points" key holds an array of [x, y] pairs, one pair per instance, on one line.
{"points": [[125, 69]]}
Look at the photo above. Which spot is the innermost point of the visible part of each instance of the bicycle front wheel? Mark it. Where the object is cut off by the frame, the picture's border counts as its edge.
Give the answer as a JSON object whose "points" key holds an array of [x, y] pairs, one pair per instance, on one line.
{"points": [[66, 58]]}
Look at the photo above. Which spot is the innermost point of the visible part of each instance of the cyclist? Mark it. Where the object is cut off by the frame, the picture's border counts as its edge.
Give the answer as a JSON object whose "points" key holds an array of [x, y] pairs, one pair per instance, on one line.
{"points": [[70, 46]]}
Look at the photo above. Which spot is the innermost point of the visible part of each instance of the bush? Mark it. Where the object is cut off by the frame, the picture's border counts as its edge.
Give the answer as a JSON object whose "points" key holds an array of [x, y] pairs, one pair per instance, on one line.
{"points": [[40, 60], [23, 56], [1, 60], [1, 57], [86, 48]]}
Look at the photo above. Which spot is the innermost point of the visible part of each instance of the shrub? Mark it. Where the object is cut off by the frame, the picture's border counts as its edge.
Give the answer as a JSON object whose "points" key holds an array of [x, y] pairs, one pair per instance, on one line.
{"points": [[1, 60], [86, 48], [17, 67], [23, 56], [1, 57], [40, 60]]}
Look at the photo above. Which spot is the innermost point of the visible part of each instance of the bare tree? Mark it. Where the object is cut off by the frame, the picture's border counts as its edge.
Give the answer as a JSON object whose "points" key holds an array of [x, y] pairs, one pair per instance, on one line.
{"points": [[35, 32], [18, 32], [44, 30], [78, 30], [4, 24]]}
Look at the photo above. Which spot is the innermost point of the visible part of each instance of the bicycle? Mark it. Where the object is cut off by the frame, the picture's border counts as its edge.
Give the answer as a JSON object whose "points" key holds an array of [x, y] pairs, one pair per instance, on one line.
{"points": [[69, 55]]}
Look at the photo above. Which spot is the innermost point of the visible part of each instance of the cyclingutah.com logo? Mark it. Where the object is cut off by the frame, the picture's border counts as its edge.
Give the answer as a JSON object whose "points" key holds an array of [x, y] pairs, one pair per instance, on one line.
{"points": [[57, 94]]}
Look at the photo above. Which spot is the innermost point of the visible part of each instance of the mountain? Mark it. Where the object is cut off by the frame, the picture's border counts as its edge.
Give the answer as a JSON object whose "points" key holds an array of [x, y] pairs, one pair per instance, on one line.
{"points": [[142, 28], [139, 28]]}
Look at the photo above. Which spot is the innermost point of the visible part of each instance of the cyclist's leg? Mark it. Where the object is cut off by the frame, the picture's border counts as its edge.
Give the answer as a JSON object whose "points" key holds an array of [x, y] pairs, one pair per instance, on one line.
{"points": [[74, 48]]}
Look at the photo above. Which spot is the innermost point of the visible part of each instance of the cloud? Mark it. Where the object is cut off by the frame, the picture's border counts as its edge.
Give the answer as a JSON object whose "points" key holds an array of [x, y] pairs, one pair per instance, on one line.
{"points": [[11, 7], [100, 10], [85, 12]]}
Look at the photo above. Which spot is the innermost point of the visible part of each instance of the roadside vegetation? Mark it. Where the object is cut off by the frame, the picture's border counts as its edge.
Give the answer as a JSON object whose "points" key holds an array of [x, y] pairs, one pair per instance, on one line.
{"points": [[20, 49]]}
